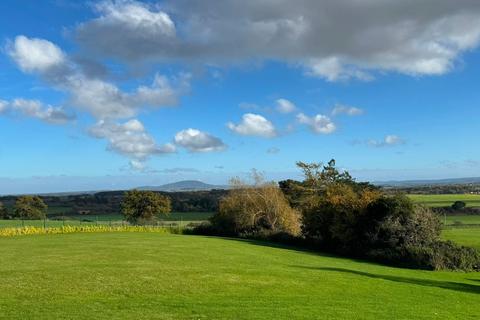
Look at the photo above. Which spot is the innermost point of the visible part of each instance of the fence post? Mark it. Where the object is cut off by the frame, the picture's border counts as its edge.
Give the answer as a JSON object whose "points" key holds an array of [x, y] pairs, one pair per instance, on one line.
{"points": [[96, 220], [44, 223], [23, 223]]}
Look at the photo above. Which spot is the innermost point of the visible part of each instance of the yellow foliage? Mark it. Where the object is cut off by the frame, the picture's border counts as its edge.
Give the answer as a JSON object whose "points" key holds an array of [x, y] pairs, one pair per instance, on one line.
{"points": [[10, 232]]}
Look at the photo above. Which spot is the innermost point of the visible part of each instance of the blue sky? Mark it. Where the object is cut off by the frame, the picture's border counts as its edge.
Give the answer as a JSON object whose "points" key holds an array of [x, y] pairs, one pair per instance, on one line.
{"points": [[117, 94]]}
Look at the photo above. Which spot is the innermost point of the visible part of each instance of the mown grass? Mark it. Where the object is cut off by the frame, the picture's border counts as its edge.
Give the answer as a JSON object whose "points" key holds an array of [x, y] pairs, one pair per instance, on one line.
{"points": [[445, 200], [156, 276], [465, 236]]}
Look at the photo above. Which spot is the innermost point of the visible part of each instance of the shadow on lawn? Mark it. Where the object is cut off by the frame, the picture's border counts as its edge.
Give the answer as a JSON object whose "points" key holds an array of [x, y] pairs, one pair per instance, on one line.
{"points": [[456, 286]]}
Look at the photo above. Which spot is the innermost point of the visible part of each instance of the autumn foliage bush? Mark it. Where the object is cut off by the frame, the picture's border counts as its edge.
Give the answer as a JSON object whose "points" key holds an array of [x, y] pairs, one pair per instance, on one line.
{"points": [[260, 208]]}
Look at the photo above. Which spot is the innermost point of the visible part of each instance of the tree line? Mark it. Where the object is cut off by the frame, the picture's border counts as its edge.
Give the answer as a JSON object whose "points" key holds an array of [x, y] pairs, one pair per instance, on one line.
{"points": [[26, 207], [330, 211]]}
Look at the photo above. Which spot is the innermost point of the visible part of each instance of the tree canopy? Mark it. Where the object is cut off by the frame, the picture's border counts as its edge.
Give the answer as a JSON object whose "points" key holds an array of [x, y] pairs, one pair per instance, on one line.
{"points": [[144, 206], [30, 207]]}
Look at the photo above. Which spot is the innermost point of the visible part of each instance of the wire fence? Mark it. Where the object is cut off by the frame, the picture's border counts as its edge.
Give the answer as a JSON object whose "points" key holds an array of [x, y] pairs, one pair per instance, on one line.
{"points": [[92, 221]]}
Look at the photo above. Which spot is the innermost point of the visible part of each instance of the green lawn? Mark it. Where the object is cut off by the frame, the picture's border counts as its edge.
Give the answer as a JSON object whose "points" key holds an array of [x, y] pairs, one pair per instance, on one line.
{"points": [[152, 276], [445, 200], [465, 236]]}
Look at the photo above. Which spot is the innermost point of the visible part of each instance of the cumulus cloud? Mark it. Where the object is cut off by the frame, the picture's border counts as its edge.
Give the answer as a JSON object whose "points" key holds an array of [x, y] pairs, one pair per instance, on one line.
{"points": [[253, 125], [388, 141], [197, 141], [102, 99], [347, 110], [130, 139], [318, 123], [285, 106], [133, 26], [106, 101], [38, 110], [409, 37], [36, 55]]}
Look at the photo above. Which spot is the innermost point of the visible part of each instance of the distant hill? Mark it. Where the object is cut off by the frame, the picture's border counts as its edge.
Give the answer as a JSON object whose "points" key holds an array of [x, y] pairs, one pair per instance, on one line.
{"points": [[187, 185], [416, 183]]}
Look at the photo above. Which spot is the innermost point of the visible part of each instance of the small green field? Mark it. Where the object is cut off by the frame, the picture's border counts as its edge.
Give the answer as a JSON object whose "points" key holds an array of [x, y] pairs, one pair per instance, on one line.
{"points": [[462, 220], [465, 236], [152, 276], [178, 218], [445, 200]]}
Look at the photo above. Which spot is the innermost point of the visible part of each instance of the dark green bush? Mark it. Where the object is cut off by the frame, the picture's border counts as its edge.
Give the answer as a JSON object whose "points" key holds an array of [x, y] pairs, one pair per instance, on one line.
{"points": [[439, 255], [459, 205]]}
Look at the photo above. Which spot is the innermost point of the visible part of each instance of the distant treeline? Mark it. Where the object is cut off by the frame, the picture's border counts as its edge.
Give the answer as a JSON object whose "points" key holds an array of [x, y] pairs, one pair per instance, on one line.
{"points": [[109, 202], [436, 189]]}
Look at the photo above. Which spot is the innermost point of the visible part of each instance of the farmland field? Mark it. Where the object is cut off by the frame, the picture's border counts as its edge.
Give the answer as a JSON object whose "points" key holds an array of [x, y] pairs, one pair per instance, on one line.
{"points": [[445, 200], [465, 236], [462, 219], [182, 218], [151, 276]]}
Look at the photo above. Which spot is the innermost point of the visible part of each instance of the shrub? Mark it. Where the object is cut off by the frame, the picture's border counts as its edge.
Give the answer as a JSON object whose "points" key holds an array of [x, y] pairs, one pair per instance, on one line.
{"points": [[459, 205], [251, 209], [4, 212], [393, 222], [438, 255], [143, 207], [30, 208]]}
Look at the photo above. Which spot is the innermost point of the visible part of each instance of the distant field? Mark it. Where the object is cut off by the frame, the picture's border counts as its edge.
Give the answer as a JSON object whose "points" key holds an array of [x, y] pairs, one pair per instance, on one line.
{"points": [[178, 218], [465, 236], [462, 219], [173, 216], [151, 276], [446, 200]]}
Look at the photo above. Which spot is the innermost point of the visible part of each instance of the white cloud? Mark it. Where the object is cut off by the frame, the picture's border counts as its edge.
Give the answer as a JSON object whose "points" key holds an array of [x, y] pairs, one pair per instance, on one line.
{"points": [[38, 110], [388, 141], [137, 165], [106, 101], [273, 150], [197, 141], [129, 139], [102, 99], [393, 140], [350, 111], [253, 125], [160, 93], [318, 123], [3, 106], [133, 26], [410, 37], [36, 55], [334, 69], [285, 106]]}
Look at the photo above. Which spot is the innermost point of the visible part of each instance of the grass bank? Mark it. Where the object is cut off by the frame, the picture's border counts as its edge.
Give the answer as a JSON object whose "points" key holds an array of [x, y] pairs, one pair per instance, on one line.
{"points": [[162, 276]]}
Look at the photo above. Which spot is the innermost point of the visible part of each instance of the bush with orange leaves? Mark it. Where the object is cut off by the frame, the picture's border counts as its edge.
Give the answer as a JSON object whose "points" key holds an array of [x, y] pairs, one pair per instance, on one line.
{"points": [[258, 208]]}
